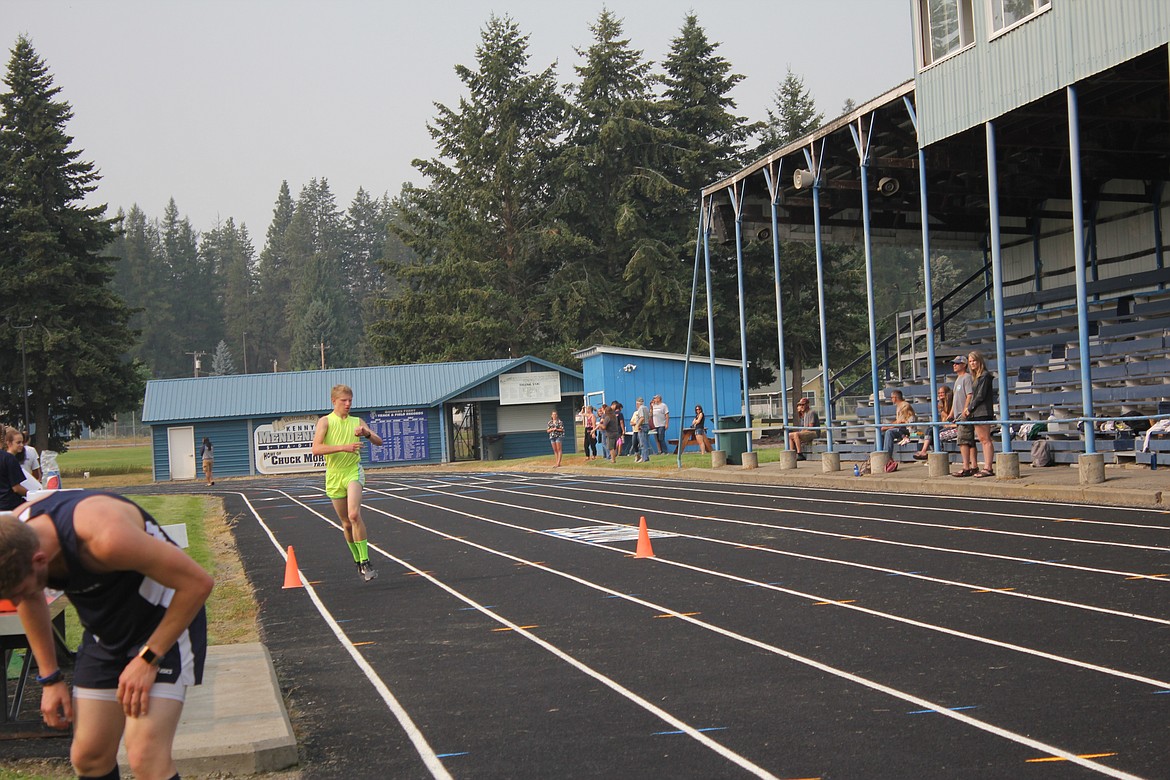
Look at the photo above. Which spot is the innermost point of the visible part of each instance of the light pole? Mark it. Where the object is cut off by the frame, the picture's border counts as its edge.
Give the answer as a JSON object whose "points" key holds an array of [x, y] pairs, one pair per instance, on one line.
{"points": [[24, 368]]}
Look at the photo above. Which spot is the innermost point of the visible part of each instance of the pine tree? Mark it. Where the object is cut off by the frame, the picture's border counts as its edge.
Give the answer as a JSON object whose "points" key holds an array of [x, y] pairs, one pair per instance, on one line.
{"points": [[794, 115], [481, 229], [222, 362], [229, 251], [698, 104], [618, 166], [274, 284], [52, 255], [320, 293]]}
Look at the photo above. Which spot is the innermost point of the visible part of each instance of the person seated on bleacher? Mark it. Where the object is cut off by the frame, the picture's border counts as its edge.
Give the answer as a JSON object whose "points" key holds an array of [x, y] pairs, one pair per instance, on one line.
{"points": [[945, 401], [805, 419], [898, 432]]}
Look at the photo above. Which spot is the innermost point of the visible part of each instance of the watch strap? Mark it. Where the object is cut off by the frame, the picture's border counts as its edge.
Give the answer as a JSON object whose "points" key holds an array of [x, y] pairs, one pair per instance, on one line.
{"points": [[148, 655], [51, 678]]}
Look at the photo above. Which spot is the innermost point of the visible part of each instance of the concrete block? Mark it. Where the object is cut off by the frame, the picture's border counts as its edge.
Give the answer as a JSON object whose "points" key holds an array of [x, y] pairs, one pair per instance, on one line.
{"points": [[788, 460], [751, 460], [718, 458], [938, 464], [1092, 468], [830, 462], [1007, 465]]}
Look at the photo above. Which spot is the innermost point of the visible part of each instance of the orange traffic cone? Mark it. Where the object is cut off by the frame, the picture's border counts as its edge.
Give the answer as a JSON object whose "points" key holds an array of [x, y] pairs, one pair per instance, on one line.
{"points": [[292, 577], [644, 548]]}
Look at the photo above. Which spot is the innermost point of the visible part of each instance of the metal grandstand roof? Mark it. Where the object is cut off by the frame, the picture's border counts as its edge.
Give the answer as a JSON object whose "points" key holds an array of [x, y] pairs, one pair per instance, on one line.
{"points": [[307, 392]]}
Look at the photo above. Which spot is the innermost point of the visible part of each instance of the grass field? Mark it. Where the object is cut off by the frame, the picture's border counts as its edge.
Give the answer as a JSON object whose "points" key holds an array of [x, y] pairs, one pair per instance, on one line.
{"points": [[104, 461]]}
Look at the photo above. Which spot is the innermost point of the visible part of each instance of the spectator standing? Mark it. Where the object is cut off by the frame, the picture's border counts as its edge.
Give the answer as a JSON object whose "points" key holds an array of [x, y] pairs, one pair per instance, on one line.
{"points": [[32, 459], [556, 436], [134, 589], [945, 406], [699, 424], [589, 421], [965, 433], [640, 423], [207, 455], [661, 415], [980, 411], [898, 430], [806, 418], [17, 448], [613, 431], [621, 424], [12, 492]]}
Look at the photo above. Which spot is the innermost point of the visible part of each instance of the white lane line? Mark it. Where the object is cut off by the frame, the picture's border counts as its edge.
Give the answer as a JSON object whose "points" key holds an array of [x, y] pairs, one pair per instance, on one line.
{"points": [[840, 673], [817, 598], [425, 752], [965, 509], [856, 537], [610, 683], [850, 564]]}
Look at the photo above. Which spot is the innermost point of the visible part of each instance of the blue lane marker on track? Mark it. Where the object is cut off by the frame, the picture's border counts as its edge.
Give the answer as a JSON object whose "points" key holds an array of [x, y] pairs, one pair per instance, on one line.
{"points": [[935, 712], [904, 573], [453, 755], [672, 733], [1161, 693]]}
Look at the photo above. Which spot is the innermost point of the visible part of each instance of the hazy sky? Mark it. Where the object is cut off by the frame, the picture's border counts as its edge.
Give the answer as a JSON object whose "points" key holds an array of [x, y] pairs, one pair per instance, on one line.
{"points": [[215, 102]]}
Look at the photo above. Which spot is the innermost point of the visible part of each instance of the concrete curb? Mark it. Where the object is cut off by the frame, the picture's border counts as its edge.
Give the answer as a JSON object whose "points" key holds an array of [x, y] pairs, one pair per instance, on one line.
{"points": [[235, 722]]}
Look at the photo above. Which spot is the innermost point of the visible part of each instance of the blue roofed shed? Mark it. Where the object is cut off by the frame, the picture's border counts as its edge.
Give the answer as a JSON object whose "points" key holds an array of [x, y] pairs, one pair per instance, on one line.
{"points": [[621, 374], [425, 414]]}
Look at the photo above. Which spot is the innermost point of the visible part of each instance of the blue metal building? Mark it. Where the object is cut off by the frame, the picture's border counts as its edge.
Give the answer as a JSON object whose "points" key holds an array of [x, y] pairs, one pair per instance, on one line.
{"points": [[621, 374], [425, 414]]}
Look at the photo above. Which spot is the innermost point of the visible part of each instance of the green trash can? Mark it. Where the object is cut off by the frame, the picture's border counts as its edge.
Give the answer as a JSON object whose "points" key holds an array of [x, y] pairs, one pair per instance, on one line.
{"points": [[734, 444]]}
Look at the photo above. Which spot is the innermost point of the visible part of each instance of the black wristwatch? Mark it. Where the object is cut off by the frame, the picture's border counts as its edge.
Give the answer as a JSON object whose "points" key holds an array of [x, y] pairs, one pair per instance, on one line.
{"points": [[148, 655], [51, 679]]}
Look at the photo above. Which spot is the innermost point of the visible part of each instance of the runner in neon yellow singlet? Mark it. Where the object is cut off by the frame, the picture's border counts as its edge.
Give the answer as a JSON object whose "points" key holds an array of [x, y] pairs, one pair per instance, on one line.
{"points": [[338, 437]]}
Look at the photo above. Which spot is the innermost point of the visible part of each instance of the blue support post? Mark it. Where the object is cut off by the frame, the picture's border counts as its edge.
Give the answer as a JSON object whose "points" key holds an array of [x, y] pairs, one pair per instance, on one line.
{"points": [[815, 167], [862, 146], [927, 279], [997, 287], [710, 315], [1078, 218], [773, 181], [690, 335], [737, 204]]}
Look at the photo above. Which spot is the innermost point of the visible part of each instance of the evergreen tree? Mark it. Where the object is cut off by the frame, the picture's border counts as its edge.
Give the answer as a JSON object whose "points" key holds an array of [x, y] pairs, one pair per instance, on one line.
{"points": [[794, 115], [274, 275], [229, 251], [141, 277], [222, 362], [320, 293], [51, 252], [481, 230], [192, 290], [367, 234], [618, 172], [698, 104]]}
